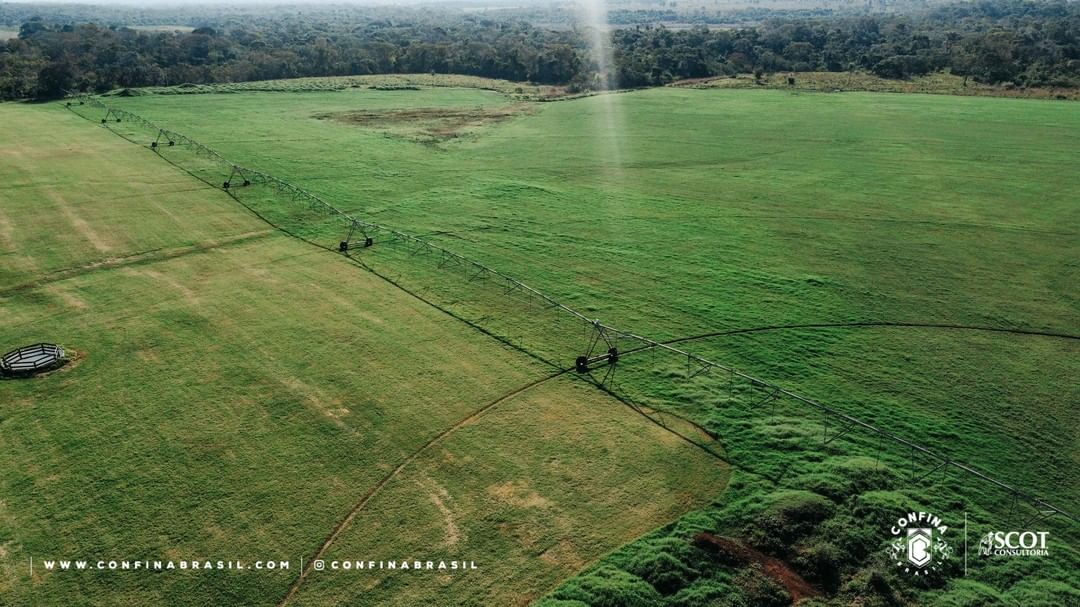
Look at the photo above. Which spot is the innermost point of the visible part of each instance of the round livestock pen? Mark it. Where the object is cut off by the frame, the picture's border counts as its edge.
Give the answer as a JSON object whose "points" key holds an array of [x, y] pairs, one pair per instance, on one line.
{"points": [[31, 360]]}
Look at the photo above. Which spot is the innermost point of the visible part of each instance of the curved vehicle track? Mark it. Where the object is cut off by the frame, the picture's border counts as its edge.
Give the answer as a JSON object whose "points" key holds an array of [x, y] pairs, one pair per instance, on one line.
{"points": [[371, 493], [858, 325]]}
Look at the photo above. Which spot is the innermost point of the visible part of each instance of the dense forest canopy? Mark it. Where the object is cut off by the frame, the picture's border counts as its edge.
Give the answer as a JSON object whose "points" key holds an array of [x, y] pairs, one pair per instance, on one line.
{"points": [[993, 41]]}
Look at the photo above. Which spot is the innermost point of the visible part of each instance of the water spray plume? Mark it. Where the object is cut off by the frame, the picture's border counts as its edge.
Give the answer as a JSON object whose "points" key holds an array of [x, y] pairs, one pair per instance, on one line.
{"points": [[594, 17]]}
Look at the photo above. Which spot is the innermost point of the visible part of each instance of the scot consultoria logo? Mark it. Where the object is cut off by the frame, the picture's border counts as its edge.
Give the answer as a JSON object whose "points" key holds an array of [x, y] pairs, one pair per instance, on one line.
{"points": [[919, 546], [1014, 543]]}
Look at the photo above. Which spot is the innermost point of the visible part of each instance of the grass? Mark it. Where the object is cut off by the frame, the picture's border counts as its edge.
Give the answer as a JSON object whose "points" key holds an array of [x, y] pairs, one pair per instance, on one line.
{"points": [[833, 82], [527, 514], [679, 212], [766, 209], [374, 82], [236, 392]]}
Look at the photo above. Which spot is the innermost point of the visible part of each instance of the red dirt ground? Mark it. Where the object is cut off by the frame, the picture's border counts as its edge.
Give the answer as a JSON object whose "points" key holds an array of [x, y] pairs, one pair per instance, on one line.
{"points": [[737, 553]]}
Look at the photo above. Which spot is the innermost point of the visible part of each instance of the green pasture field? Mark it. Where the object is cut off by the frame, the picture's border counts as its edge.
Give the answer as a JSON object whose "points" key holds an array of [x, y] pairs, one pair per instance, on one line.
{"points": [[940, 233], [707, 211], [235, 393]]}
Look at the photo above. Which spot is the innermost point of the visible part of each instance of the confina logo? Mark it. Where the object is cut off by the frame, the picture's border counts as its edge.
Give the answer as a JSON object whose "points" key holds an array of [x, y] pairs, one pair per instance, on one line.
{"points": [[918, 546]]}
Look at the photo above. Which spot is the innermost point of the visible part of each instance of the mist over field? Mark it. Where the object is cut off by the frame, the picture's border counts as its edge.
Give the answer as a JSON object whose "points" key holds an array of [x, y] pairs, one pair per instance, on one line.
{"points": [[271, 4]]}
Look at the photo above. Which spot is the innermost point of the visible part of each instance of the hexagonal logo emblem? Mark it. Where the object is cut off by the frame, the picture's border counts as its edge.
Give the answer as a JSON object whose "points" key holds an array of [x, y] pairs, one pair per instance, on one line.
{"points": [[919, 547]]}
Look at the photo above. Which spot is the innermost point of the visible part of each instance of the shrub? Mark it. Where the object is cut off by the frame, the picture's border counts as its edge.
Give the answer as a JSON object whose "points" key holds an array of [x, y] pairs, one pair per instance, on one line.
{"points": [[703, 592], [820, 564], [851, 536], [758, 590], [560, 603], [871, 588], [665, 572], [793, 516], [969, 593], [609, 587], [864, 474], [1043, 593]]}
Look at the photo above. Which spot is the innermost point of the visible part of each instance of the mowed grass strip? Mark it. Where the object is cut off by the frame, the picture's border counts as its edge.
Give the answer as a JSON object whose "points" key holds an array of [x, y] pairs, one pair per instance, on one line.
{"points": [[71, 197], [231, 400]]}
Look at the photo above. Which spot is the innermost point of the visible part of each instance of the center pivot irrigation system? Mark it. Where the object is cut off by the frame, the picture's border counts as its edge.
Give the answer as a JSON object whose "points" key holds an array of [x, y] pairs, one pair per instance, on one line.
{"points": [[603, 341]]}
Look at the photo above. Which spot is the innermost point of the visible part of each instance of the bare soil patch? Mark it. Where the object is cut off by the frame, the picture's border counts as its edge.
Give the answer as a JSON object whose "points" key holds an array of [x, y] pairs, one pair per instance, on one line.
{"points": [[429, 125], [735, 552]]}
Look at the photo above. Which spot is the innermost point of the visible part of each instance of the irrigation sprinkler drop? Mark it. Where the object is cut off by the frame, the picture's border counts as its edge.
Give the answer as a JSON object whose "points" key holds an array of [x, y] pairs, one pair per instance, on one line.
{"points": [[585, 362]]}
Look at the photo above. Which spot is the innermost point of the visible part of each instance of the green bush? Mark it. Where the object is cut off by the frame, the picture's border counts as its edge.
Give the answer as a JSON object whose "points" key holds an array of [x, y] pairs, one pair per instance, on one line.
{"points": [[608, 587], [829, 485], [702, 592], [969, 593], [853, 537], [1043, 593], [755, 589], [863, 474], [821, 565], [560, 603], [793, 516], [664, 571], [881, 508], [871, 587]]}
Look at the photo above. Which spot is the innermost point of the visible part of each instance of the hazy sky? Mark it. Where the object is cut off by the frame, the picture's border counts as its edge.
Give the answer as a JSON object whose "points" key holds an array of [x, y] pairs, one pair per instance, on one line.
{"points": [[149, 3]]}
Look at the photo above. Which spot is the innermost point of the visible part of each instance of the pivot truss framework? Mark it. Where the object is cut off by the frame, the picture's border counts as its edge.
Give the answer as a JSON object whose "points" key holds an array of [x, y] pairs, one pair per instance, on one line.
{"points": [[603, 341]]}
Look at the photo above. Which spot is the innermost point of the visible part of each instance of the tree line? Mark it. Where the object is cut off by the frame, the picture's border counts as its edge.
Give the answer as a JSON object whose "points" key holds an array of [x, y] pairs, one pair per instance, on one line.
{"points": [[992, 41]]}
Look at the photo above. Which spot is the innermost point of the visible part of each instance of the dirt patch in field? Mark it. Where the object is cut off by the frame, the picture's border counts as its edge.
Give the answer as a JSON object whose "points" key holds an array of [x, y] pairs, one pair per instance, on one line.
{"points": [[517, 494], [735, 552], [79, 223], [563, 554], [429, 125], [439, 497]]}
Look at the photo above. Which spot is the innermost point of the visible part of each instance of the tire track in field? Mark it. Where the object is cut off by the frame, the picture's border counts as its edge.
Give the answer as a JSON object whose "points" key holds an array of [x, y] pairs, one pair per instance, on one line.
{"points": [[934, 223], [371, 493], [863, 324], [134, 259]]}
